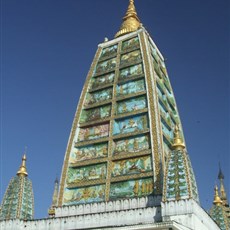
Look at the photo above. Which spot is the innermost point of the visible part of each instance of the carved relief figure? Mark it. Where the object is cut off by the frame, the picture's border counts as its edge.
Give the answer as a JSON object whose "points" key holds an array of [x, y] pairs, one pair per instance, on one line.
{"points": [[131, 71], [89, 152], [98, 96], [101, 80], [131, 145], [131, 188], [84, 195], [92, 133], [131, 87], [92, 172], [136, 123], [131, 166], [131, 105], [95, 114]]}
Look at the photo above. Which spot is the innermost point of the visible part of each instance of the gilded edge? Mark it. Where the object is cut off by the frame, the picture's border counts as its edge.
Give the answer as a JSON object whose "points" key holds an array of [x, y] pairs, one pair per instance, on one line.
{"points": [[74, 127], [153, 123]]}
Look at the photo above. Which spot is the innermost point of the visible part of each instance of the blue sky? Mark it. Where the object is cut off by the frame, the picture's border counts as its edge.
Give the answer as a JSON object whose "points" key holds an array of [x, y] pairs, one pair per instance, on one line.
{"points": [[46, 50]]}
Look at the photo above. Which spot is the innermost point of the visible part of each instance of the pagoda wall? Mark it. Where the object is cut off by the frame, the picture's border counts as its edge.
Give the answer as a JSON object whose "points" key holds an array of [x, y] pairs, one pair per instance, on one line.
{"points": [[188, 213]]}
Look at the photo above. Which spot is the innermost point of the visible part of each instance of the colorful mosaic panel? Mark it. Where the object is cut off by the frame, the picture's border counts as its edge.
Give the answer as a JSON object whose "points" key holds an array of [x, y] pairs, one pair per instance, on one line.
{"points": [[106, 66], [95, 114], [129, 125], [131, 166], [131, 105], [84, 195], [109, 51], [176, 179], [131, 188], [132, 71], [132, 43], [89, 152], [12, 202], [131, 145], [98, 96], [166, 129], [130, 58], [92, 133], [131, 87], [102, 80], [92, 172]]}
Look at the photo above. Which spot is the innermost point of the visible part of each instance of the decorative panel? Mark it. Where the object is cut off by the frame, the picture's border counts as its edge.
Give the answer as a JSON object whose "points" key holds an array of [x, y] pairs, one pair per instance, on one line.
{"points": [[131, 87], [84, 195], [131, 145], [92, 172], [109, 51], [89, 152], [132, 71], [130, 58], [130, 44], [131, 166], [131, 124], [95, 114], [131, 188], [92, 133], [105, 66], [98, 96], [101, 80], [131, 105]]}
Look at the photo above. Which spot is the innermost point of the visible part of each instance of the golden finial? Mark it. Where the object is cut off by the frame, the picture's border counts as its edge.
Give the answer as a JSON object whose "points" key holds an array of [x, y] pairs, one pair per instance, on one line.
{"points": [[217, 200], [22, 170], [178, 143], [131, 22]]}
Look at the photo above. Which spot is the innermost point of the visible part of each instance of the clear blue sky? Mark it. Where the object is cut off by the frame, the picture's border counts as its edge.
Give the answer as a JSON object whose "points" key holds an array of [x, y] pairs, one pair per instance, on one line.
{"points": [[47, 48]]}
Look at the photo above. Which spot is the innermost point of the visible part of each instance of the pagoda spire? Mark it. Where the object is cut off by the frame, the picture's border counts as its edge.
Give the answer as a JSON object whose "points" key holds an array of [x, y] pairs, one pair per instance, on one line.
{"points": [[223, 195], [179, 180], [51, 210], [22, 170], [18, 201], [131, 22]]}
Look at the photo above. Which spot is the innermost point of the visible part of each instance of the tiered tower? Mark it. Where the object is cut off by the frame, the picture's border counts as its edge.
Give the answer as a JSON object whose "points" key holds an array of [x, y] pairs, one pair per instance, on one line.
{"points": [[126, 165], [122, 132], [18, 201]]}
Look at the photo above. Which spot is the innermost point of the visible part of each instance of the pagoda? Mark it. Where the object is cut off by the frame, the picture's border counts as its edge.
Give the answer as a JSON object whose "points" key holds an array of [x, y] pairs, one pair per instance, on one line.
{"points": [[18, 201], [126, 164]]}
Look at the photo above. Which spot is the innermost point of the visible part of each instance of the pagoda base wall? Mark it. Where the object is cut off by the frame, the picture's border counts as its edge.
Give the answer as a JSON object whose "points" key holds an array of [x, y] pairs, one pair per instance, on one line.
{"points": [[188, 213]]}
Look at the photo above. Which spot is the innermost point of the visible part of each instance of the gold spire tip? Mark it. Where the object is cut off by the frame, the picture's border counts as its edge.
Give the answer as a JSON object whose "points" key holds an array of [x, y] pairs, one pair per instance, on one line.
{"points": [[178, 143], [22, 170], [217, 200], [131, 22]]}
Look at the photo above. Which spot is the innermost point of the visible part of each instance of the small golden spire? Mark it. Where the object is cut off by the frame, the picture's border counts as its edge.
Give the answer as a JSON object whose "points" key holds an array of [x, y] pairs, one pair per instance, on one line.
{"points": [[217, 200], [22, 170], [131, 22], [178, 143]]}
